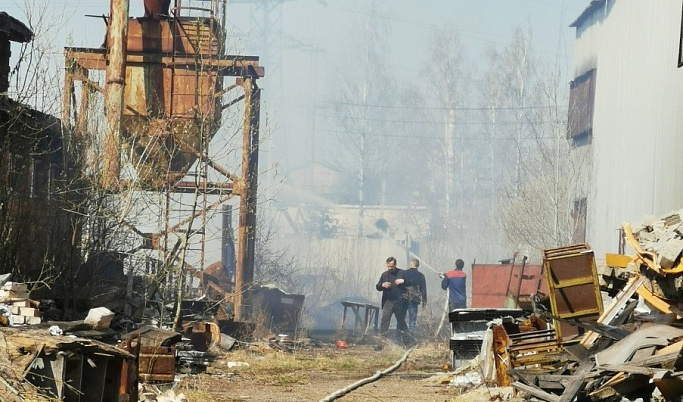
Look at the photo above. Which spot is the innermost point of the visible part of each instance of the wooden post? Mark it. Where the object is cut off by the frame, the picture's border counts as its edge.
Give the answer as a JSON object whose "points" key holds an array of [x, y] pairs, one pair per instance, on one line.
{"points": [[246, 242], [117, 36]]}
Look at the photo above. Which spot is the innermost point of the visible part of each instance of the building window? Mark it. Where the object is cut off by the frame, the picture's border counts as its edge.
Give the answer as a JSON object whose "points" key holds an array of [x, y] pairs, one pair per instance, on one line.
{"points": [[17, 173], [581, 106], [579, 214]]}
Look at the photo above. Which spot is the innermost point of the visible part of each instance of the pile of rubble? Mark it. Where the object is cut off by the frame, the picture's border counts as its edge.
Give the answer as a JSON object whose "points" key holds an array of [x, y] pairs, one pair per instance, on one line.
{"points": [[571, 347], [15, 306], [59, 360]]}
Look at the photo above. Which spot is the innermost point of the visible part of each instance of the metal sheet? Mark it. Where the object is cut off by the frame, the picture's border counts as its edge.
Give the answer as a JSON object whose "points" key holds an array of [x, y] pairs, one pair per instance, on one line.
{"points": [[622, 351], [156, 363]]}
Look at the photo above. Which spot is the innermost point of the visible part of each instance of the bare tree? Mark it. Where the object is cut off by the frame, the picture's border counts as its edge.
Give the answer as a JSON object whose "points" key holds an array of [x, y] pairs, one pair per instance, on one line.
{"points": [[362, 123], [449, 83], [536, 204]]}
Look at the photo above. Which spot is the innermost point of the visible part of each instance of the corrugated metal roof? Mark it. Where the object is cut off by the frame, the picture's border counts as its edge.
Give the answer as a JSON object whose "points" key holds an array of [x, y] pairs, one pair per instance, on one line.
{"points": [[592, 7], [15, 29]]}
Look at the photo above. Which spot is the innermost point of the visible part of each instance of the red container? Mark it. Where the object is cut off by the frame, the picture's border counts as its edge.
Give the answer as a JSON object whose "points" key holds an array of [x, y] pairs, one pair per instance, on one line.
{"points": [[490, 283]]}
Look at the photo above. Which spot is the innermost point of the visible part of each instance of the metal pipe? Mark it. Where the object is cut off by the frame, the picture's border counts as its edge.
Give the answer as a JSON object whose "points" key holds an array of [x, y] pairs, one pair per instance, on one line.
{"points": [[519, 282], [512, 271], [117, 36]]}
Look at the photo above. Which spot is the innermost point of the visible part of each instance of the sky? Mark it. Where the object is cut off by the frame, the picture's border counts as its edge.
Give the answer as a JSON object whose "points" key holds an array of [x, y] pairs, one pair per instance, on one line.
{"points": [[319, 42]]}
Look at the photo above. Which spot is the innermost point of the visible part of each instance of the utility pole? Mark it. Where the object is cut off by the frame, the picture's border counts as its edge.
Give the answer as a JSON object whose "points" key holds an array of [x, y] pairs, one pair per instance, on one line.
{"points": [[248, 185], [117, 37]]}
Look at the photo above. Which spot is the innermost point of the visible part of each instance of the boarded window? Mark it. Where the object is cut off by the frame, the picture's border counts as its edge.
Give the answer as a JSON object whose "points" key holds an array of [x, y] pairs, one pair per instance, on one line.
{"points": [[581, 106], [579, 214]]}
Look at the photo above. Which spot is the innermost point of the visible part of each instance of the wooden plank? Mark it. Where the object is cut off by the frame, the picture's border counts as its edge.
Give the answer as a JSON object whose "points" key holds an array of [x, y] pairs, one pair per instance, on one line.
{"points": [[574, 386], [619, 301], [627, 368], [228, 65], [532, 334], [538, 393], [542, 345]]}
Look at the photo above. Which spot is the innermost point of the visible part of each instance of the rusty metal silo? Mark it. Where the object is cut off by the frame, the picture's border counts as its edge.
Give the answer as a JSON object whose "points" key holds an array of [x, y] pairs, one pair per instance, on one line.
{"points": [[170, 111]]}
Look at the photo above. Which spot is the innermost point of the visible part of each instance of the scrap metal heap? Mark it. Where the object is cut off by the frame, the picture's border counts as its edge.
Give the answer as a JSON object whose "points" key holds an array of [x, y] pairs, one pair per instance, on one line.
{"points": [[570, 347]]}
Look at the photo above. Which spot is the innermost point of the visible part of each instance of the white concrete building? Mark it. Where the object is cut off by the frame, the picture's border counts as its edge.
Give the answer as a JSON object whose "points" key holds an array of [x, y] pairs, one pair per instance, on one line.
{"points": [[626, 114]]}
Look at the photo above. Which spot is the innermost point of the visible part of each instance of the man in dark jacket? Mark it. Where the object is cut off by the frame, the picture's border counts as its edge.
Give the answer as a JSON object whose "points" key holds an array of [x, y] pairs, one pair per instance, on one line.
{"points": [[416, 291], [456, 282], [392, 288]]}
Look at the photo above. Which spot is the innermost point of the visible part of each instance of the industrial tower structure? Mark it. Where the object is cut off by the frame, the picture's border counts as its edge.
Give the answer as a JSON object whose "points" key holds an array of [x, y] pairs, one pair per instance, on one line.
{"points": [[164, 96]]}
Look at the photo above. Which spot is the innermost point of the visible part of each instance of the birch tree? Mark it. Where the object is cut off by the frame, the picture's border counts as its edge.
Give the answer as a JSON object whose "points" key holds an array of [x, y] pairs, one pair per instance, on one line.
{"points": [[528, 111], [449, 86], [362, 123]]}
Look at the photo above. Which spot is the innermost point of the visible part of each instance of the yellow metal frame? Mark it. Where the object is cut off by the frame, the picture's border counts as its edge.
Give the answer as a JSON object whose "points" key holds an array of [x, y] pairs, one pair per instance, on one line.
{"points": [[560, 253]]}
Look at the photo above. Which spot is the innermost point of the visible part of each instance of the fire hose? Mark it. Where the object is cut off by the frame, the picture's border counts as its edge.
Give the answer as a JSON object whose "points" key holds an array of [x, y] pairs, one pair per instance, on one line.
{"points": [[341, 392]]}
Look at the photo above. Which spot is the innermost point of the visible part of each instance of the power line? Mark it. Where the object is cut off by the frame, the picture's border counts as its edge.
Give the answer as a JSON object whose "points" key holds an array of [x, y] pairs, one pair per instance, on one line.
{"points": [[440, 137], [456, 123], [482, 108]]}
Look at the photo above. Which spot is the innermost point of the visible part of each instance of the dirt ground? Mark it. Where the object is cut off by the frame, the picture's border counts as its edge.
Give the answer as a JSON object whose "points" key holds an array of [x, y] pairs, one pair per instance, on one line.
{"points": [[310, 373]]}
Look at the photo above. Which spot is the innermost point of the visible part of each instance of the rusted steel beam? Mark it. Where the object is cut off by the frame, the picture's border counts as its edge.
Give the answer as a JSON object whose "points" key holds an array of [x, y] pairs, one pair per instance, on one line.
{"points": [[82, 120], [230, 65], [87, 81], [117, 33], [217, 167], [66, 98], [212, 188], [246, 233], [197, 214]]}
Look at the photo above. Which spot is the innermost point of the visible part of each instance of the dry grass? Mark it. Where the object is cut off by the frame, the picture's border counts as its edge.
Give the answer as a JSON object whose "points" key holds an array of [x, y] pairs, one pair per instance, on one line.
{"points": [[310, 373], [361, 359]]}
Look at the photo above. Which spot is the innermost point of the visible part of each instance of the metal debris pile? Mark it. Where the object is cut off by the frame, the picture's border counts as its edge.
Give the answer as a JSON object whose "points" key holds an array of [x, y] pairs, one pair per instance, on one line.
{"points": [[570, 347]]}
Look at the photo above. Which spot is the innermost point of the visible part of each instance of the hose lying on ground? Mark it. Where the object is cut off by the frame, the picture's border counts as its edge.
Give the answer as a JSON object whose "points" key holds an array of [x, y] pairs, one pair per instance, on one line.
{"points": [[341, 392]]}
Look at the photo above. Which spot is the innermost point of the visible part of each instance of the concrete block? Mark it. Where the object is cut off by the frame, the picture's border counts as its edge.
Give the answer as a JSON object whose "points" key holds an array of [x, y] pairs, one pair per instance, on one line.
{"points": [[15, 310], [29, 311], [645, 237], [672, 219], [10, 294], [18, 319], [669, 253], [22, 303], [15, 287], [33, 320], [99, 318]]}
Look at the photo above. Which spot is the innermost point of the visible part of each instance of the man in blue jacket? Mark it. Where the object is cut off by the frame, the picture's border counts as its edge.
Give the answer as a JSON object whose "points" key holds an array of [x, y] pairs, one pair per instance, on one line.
{"points": [[455, 281], [393, 303]]}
